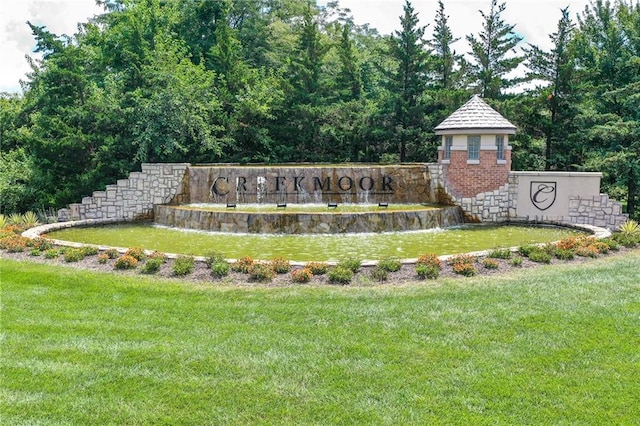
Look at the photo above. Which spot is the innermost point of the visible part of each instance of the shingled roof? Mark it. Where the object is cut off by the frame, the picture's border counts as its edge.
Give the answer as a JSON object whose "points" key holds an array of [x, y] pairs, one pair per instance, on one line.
{"points": [[476, 115]]}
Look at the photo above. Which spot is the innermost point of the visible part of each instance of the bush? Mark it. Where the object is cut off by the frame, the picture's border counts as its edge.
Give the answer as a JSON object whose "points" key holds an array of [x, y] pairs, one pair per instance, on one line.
{"points": [[214, 257], [588, 251], [152, 265], [51, 253], [29, 220], [466, 269], [628, 241], [613, 245], [42, 244], [73, 255], [280, 265], [242, 265], [490, 263], [89, 250], [516, 261], [103, 258], [183, 265], [4, 221], [630, 228], [340, 275], [125, 262], [14, 243], [540, 255], [427, 271], [501, 253], [601, 246], [301, 275], [261, 272], [220, 269], [351, 264], [462, 259], [317, 268], [379, 274], [390, 264], [526, 249], [157, 255], [136, 252], [429, 260], [564, 254], [112, 253], [35, 252]]}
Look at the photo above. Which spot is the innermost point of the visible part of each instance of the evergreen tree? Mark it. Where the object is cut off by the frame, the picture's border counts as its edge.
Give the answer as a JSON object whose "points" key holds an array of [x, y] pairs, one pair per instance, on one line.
{"points": [[493, 53], [444, 58]]}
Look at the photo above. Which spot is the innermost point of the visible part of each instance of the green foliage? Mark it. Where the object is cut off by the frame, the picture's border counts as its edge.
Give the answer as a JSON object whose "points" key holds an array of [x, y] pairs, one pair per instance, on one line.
{"points": [[390, 264], [151, 265], [501, 253], [539, 255], [516, 261], [4, 221], [35, 252], [261, 272], [490, 263], [30, 219], [51, 253], [112, 253], [73, 255], [89, 250], [220, 269], [526, 250], [564, 254], [430, 260], [183, 265], [630, 228], [379, 274], [351, 264], [42, 243], [125, 262], [103, 258], [424, 270], [213, 258], [340, 275]]}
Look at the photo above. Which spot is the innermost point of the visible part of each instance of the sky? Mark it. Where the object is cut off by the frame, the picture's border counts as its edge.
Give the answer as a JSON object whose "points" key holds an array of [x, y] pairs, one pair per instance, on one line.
{"points": [[534, 19]]}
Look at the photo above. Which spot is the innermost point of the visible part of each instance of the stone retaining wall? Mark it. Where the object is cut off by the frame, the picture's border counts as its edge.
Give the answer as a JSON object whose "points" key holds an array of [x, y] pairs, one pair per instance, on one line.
{"points": [[131, 198]]}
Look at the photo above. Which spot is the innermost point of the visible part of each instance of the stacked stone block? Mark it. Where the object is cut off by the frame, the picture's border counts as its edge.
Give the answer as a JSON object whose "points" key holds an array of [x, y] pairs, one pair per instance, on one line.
{"points": [[598, 211], [131, 198]]}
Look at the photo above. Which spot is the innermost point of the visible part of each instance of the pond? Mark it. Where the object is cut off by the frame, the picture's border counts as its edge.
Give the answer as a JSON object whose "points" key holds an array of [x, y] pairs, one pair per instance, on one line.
{"points": [[368, 246]]}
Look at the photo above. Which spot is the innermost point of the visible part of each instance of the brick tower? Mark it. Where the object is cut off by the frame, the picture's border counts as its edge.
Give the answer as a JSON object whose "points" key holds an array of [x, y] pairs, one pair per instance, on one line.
{"points": [[475, 154]]}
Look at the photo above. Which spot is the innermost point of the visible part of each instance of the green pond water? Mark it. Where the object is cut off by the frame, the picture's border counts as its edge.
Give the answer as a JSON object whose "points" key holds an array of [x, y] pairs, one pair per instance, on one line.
{"points": [[314, 247]]}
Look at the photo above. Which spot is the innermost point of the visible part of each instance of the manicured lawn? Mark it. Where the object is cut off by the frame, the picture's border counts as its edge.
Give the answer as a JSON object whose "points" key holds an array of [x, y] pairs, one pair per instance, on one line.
{"points": [[550, 345]]}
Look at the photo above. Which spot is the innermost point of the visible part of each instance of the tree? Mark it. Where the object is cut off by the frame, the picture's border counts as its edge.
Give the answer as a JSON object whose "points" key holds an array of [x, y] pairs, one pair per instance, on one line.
{"points": [[409, 80], [444, 58], [493, 53], [557, 69]]}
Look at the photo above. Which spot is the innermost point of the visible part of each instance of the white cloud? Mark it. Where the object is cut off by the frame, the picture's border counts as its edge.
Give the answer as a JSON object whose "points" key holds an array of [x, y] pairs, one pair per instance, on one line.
{"points": [[16, 40]]}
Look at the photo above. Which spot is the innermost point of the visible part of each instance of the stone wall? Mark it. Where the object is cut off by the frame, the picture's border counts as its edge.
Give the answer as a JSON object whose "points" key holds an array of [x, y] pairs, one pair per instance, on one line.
{"points": [[598, 211], [131, 198]]}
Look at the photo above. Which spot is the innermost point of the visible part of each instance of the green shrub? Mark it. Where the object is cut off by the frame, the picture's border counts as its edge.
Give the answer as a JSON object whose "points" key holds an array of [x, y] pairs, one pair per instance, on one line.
{"points": [[280, 265], [301, 275], [89, 250], [103, 258], [630, 228], [318, 268], [429, 260], [220, 269], [112, 253], [351, 264], [563, 254], [35, 252], [136, 252], [540, 255], [601, 246], [51, 253], [628, 241], [466, 269], [152, 265], [183, 265], [261, 272], [490, 263], [526, 249], [73, 255], [214, 257], [379, 274], [242, 265], [30, 219], [516, 261], [427, 271], [125, 262], [340, 275], [500, 253], [390, 264], [613, 244], [15, 219], [4, 221]]}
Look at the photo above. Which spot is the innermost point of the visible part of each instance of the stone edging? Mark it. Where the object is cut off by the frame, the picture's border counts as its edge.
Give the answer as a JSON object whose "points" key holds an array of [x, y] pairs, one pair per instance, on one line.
{"points": [[35, 232]]}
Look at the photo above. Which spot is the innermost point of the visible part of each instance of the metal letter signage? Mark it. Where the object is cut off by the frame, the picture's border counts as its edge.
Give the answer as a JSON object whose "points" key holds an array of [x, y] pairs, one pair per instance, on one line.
{"points": [[543, 194]]}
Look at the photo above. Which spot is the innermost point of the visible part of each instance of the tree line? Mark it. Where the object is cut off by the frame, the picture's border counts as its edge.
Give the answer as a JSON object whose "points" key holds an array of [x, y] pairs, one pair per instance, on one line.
{"points": [[276, 81]]}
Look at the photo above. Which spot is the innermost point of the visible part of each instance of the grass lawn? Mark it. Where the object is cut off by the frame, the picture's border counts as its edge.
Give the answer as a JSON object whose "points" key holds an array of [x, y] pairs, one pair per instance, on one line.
{"points": [[550, 345]]}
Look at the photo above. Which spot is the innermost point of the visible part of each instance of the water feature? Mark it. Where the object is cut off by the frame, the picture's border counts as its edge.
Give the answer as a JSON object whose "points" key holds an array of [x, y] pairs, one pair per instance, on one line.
{"points": [[315, 247]]}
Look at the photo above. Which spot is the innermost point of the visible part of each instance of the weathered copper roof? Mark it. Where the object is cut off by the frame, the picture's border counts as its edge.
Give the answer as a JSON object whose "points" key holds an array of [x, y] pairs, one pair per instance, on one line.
{"points": [[476, 114]]}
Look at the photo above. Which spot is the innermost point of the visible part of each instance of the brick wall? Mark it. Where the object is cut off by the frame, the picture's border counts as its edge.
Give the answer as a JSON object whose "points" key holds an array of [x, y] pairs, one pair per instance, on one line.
{"points": [[468, 180]]}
